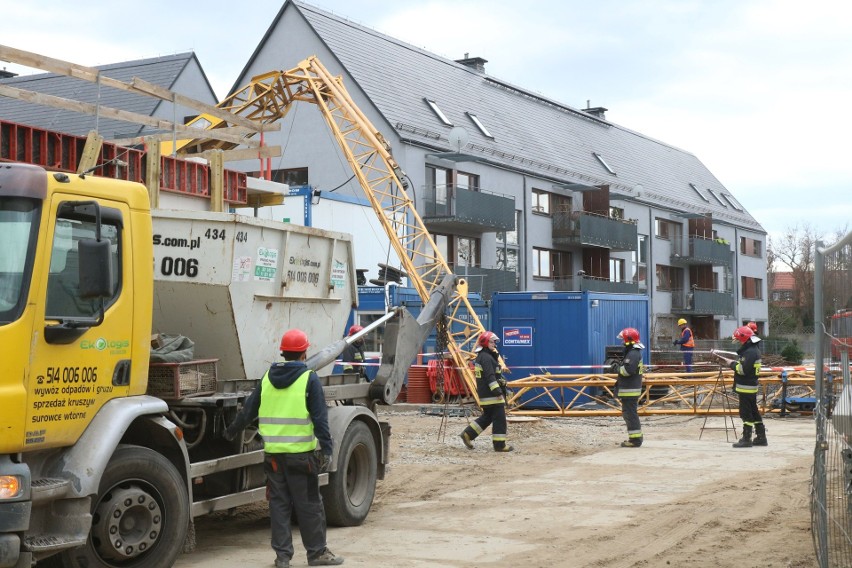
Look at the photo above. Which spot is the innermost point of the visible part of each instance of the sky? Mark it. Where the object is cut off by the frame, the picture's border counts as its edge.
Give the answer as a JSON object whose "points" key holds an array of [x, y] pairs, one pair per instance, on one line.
{"points": [[759, 90]]}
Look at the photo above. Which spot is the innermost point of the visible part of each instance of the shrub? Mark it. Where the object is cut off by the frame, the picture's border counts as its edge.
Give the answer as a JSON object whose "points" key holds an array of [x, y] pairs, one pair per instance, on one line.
{"points": [[792, 353]]}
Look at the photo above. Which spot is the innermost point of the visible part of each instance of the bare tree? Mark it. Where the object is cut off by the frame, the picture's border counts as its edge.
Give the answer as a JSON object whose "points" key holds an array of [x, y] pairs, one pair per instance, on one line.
{"points": [[796, 251]]}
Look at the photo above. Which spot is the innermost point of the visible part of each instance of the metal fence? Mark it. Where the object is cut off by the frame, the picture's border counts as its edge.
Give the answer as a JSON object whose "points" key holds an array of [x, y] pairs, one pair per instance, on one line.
{"points": [[831, 484]]}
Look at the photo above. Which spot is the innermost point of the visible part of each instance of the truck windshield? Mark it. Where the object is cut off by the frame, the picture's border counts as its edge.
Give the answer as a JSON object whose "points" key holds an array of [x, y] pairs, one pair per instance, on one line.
{"points": [[18, 230]]}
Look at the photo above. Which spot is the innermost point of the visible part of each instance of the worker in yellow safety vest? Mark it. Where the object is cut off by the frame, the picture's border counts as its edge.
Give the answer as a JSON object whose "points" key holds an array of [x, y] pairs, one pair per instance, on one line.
{"points": [[293, 421]]}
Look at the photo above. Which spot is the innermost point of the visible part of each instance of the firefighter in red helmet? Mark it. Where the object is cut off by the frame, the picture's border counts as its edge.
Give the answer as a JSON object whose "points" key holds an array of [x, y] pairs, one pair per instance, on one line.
{"points": [[292, 417], [629, 385], [353, 356], [490, 388], [746, 373]]}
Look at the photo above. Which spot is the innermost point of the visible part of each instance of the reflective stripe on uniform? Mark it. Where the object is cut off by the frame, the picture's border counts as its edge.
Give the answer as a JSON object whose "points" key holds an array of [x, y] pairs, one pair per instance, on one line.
{"points": [[629, 392]]}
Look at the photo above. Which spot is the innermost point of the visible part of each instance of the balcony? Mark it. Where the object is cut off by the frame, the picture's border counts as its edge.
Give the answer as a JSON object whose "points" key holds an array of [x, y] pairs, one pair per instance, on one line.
{"points": [[698, 250], [450, 208], [593, 284], [486, 281], [590, 229], [703, 302]]}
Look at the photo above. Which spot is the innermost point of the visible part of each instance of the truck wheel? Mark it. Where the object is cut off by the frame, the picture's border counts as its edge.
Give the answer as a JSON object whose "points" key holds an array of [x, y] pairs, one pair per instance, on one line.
{"points": [[140, 516], [350, 490]]}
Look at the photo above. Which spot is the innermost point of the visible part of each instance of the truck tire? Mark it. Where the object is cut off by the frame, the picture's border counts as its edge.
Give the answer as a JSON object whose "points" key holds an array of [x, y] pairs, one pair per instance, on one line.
{"points": [[143, 500], [350, 490]]}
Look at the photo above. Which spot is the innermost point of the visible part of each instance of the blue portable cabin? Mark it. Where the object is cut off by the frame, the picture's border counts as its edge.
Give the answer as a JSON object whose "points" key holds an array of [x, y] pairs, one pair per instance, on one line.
{"points": [[553, 331]]}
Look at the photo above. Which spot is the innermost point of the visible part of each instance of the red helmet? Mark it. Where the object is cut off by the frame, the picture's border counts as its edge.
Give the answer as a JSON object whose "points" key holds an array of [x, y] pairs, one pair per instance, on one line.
{"points": [[752, 326], [629, 335], [486, 338], [294, 340], [742, 334], [355, 329]]}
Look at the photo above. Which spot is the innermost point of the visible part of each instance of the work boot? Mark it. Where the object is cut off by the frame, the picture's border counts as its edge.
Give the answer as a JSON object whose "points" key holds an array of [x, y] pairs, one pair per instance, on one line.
{"points": [[467, 441], [327, 558], [632, 442], [745, 441], [760, 435], [504, 448], [282, 563]]}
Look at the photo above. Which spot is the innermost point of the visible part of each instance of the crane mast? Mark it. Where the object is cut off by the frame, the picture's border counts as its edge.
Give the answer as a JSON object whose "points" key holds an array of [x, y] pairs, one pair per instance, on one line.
{"points": [[268, 97]]}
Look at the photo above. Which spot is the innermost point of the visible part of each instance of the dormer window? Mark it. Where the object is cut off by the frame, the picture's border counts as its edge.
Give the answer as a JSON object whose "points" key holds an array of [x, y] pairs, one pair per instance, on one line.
{"points": [[438, 112]]}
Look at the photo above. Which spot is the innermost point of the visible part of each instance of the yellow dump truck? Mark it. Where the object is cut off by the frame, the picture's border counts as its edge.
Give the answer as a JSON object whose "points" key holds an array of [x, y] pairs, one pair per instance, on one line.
{"points": [[105, 459]]}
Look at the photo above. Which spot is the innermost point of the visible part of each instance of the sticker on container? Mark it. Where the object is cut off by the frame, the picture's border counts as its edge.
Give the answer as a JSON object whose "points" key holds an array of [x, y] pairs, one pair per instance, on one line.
{"points": [[242, 269], [338, 274], [266, 264], [517, 336]]}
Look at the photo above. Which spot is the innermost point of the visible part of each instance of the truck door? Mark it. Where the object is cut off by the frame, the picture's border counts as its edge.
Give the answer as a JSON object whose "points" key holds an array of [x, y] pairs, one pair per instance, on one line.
{"points": [[78, 363]]}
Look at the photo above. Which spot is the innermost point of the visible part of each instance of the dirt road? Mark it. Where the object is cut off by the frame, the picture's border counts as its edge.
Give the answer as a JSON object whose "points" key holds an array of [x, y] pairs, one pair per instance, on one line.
{"points": [[567, 497]]}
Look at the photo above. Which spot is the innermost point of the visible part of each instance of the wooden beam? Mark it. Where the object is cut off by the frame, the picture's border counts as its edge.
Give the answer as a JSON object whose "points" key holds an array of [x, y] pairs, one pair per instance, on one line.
{"points": [[91, 152], [195, 134], [245, 153], [123, 115], [136, 84]]}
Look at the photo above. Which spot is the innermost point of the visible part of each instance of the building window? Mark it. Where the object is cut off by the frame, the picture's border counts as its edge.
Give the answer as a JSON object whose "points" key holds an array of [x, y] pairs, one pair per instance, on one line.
{"points": [[665, 229], [750, 247], [467, 181], [479, 125], [616, 213], [603, 163], [616, 270], [640, 262], [467, 251], [733, 202], [717, 198], [541, 263], [540, 202], [438, 112], [292, 176], [669, 278], [752, 288]]}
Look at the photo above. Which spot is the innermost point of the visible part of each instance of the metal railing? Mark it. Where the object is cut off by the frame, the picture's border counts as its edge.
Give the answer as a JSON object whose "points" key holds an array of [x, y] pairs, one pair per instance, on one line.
{"points": [[456, 205], [831, 484], [699, 250], [584, 228], [702, 302]]}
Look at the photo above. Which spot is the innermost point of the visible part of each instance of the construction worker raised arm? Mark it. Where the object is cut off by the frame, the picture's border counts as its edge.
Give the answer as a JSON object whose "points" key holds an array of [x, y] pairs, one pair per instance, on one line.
{"points": [[490, 388]]}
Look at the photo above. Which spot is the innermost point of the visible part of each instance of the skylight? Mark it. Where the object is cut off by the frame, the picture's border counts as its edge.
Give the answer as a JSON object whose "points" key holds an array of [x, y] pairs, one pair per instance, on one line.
{"points": [[734, 203], [479, 125], [722, 203], [603, 163], [438, 112], [698, 191]]}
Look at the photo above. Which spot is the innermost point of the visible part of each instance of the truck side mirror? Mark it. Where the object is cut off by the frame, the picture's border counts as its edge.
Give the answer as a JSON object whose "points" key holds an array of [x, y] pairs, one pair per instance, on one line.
{"points": [[95, 268]]}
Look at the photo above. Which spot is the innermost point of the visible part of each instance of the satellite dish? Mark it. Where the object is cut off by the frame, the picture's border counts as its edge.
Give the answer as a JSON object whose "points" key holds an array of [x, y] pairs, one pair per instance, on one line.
{"points": [[457, 138]]}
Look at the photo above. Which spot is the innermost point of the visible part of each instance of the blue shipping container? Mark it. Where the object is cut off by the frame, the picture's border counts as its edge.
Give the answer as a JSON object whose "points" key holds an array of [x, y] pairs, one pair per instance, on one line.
{"points": [[549, 331]]}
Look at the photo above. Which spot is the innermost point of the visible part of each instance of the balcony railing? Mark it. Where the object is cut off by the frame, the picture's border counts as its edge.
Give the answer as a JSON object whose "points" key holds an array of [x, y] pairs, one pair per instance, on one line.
{"points": [[593, 284], [451, 207], [698, 250], [703, 302], [486, 281], [591, 229]]}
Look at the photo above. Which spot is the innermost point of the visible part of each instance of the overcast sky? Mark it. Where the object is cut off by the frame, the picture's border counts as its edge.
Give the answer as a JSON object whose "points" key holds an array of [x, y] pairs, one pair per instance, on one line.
{"points": [[759, 90]]}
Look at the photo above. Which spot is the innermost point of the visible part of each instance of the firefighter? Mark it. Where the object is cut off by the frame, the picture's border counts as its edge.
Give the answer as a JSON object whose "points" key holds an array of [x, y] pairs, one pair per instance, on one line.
{"points": [[491, 390], [354, 353], [629, 385], [686, 342], [292, 416], [746, 372]]}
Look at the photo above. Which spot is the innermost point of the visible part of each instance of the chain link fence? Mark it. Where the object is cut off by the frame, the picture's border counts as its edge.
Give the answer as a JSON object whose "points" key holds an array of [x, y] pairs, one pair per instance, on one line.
{"points": [[831, 484]]}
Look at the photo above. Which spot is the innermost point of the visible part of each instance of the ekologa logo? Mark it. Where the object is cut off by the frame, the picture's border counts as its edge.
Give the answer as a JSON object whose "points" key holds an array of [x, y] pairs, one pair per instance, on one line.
{"points": [[100, 344]]}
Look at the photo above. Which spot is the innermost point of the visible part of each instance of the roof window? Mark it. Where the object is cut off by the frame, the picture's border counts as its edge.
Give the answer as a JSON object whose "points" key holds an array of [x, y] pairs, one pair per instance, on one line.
{"points": [[699, 192], [603, 163], [438, 112], [734, 203], [479, 125], [722, 203]]}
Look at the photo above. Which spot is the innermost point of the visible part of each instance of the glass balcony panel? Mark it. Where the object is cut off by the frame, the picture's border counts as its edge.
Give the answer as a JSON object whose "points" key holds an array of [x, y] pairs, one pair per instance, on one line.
{"points": [[452, 208], [590, 229]]}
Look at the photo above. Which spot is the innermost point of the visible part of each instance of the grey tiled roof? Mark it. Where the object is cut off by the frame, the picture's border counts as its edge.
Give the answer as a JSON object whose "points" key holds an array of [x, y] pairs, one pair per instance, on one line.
{"points": [[531, 132], [161, 71]]}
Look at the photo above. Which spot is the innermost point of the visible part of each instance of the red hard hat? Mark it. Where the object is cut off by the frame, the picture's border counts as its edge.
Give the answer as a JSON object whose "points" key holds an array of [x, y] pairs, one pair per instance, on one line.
{"points": [[355, 329], [742, 334], [294, 340], [752, 326], [486, 338], [629, 335]]}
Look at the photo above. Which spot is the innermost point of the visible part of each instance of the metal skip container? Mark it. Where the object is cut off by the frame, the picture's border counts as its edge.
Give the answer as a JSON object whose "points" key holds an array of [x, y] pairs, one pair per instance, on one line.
{"points": [[563, 332], [234, 284]]}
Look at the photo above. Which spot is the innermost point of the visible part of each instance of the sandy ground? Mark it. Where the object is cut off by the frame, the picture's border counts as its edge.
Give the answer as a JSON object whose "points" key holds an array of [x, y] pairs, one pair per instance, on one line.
{"points": [[567, 497]]}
